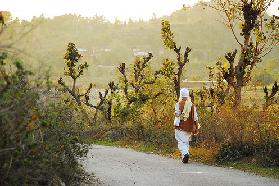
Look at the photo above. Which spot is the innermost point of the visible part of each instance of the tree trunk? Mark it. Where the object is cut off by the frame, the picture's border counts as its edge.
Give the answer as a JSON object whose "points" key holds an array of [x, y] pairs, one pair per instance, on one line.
{"points": [[237, 96], [109, 110], [177, 86]]}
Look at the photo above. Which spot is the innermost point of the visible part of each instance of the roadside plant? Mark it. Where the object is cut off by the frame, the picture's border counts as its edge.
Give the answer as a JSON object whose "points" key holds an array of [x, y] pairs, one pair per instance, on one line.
{"points": [[40, 134]]}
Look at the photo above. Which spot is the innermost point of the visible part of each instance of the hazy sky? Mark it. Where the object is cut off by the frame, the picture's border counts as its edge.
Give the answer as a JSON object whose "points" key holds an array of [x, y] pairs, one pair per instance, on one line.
{"points": [[111, 9]]}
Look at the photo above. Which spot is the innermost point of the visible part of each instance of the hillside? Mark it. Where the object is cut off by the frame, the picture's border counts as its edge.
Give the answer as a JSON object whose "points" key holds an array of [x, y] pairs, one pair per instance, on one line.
{"points": [[104, 45]]}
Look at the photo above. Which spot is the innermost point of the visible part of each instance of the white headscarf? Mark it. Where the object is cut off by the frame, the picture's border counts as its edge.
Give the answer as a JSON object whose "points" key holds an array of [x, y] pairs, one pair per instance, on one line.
{"points": [[184, 93]]}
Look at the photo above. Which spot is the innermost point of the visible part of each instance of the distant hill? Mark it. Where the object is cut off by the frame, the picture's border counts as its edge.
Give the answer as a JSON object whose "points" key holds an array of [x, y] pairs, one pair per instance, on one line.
{"points": [[104, 45]]}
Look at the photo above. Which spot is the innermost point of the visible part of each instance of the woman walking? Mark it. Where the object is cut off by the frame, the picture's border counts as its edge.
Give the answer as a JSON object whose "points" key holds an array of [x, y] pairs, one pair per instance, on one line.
{"points": [[186, 123]]}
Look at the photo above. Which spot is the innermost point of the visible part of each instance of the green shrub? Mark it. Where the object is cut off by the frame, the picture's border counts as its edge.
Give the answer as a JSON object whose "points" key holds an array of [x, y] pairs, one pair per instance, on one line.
{"points": [[235, 151], [40, 133]]}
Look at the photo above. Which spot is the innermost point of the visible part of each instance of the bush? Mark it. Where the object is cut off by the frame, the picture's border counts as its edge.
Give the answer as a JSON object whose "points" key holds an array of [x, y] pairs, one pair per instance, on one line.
{"points": [[242, 132], [269, 155], [235, 151], [161, 136], [40, 133]]}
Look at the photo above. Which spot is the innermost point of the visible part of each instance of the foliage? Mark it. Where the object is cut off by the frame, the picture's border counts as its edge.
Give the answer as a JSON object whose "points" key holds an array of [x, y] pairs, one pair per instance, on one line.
{"points": [[235, 151], [134, 87], [254, 24], [72, 57], [75, 71], [182, 59], [241, 132], [217, 92], [167, 35], [40, 140]]}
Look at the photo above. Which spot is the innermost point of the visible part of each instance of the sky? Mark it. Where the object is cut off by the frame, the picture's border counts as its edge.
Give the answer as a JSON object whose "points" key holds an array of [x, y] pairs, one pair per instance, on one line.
{"points": [[111, 9]]}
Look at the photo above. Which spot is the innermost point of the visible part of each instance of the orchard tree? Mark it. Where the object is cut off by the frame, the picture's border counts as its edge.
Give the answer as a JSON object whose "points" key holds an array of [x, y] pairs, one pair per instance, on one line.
{"points": [[137, 88], [170, 69], [75, 69], [134, 83], [259, 34]]}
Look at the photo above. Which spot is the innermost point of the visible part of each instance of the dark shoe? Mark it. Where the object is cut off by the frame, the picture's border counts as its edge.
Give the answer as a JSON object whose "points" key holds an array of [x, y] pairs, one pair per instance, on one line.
{"points": [[185, 158]]}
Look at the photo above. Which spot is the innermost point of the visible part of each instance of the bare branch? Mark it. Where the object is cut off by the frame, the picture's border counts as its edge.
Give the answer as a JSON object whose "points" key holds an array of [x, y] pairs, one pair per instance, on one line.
{"points": [[7, 149], [100, 104], [122, 70], [10, 45], [269, 50], [73, 94], [234, 35], [87, 91]]}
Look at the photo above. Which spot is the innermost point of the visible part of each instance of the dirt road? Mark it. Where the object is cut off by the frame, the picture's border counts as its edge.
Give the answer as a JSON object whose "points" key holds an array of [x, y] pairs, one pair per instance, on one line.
{"points": [[121, 167]]}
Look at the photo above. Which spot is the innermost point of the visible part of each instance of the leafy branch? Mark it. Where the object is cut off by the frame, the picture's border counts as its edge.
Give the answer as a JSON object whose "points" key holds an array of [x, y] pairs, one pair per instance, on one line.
{"points": [[75, 70], [182, 58], [259, 35], [138, 80]]}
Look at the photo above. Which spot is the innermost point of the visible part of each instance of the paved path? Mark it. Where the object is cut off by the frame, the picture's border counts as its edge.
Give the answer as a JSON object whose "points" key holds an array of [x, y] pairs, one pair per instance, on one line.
{"points": [[121, 167]]}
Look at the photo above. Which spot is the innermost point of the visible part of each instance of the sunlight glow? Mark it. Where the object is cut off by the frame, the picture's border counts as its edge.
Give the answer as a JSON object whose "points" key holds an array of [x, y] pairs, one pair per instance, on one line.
{"points": [[111, 9]]}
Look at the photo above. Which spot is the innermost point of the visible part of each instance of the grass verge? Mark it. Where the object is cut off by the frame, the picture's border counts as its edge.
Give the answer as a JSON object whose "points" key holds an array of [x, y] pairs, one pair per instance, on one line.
{"points": [[272, 172]]}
